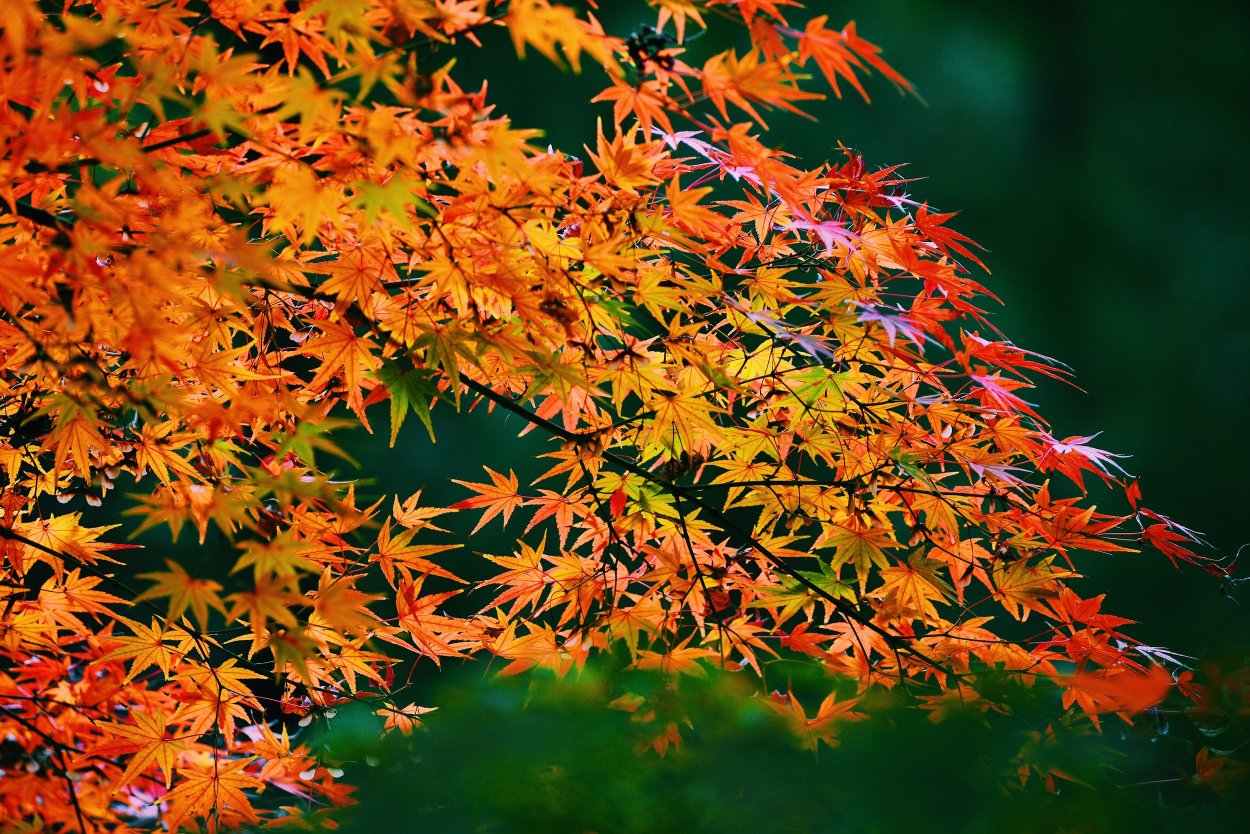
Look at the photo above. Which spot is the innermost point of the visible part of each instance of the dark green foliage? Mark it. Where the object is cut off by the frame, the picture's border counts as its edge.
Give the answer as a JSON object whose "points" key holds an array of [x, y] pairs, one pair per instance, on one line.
{"points": [[536, 754]]}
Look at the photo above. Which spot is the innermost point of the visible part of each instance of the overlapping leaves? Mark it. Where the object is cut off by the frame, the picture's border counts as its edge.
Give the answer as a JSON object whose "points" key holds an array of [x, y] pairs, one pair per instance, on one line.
{"points": [[782, 426]]}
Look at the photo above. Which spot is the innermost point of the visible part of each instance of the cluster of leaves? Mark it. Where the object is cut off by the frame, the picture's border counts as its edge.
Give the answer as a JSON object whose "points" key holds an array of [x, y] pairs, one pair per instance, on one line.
{"points": [[783, 428]]}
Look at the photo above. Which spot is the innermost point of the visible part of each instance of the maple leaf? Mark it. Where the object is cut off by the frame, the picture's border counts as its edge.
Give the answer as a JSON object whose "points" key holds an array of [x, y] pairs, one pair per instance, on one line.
{"points": [[823, 726], [184, 592], [555, 31], [62, 598], [270, 599], [862, 547], [994, 390], [802, 640], [148, 739], [434, 634], [282, 556], [409, 514], [623, 163], [340, 605], [499, 498], [895, 323], [1073, 454], [409, 390], [1116, 690], [406, 718], [397, 554], [915, 587], [356, 275], [218, 787], [293, 649], [794, 595], [215, 698], [156, 449], [149, 646], [646, 101], [840, 55], [77, 438], [345, 354], [681, 421], [1022, 588], [299, 203], [561, 508], [64, 536], [201, 503]]}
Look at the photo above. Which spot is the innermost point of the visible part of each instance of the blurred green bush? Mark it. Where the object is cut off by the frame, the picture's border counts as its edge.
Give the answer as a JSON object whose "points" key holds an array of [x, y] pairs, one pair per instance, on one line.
{"points": [[538, 754]]}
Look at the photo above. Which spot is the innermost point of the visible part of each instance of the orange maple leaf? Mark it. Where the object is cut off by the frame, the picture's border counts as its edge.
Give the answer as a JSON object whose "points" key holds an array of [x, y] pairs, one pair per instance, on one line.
{"points": [[500, 497]]}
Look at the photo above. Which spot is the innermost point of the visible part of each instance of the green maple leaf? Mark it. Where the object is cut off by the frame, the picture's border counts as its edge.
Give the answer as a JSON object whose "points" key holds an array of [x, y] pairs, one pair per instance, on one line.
{"points": [[411, 389]]}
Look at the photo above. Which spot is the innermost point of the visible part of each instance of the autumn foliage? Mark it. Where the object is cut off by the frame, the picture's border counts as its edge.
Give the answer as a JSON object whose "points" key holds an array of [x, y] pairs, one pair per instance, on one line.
{"points": [[782, 427]]}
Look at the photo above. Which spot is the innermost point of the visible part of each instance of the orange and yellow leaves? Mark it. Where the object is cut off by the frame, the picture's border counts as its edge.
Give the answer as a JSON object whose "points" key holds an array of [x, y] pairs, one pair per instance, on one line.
{"points": [[356, 275], [343, 608], [299, 203], [530, 645], [524, 579], [682, 421], [156, 451], [270, 600], [646, 101], [758, 377], [76, 441], [434, 634], [625, 164], [558, 33], [744, 638], [561, 508], [60, 537], [914, 589], [568, 583], [823, 726], [1123, 690], [405, 719], [413, 516], [61, 599], [678, 11], [215, 698], [793, 597], [302, 34], [227, 507], [283, 556]]}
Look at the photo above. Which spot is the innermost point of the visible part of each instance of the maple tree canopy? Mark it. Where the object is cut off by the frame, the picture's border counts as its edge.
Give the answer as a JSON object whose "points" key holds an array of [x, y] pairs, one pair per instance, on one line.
{"points": [[782, 428]]}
